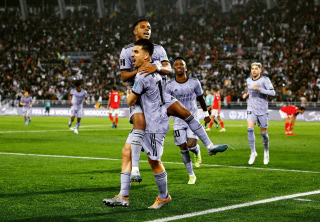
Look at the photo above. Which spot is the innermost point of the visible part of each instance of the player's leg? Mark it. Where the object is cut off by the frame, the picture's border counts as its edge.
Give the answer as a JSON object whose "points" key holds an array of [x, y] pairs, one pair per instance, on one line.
{"points": [[251, 119], [25, 118], [212, 120], [29, 115], [139, 125], [292, 121], [117, 118], [195, 149], [122, 199], [111, 118], [73, 115], [263, 124], [180, 139], [179, 110], [78, 115], [222, 124], [154, 146]]}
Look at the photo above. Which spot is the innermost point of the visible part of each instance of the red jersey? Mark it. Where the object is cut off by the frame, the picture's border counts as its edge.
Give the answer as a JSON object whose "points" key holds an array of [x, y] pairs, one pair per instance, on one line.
{"points": [[289, 110], [114, 100], [216, 100]]}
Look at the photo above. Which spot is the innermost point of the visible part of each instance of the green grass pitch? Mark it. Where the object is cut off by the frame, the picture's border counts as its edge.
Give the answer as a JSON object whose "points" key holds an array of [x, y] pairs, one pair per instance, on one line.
{"points": [[53, 187]]}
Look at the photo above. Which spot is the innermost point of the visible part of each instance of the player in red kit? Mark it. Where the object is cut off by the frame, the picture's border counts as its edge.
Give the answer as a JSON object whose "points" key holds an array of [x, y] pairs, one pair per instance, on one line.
{"points": [[216, 109], [289, 114], [113, 106]]}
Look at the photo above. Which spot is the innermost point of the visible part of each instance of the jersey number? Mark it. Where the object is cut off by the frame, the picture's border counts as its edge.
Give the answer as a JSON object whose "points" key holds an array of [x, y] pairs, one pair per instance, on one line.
{"points": [[161, 94]]}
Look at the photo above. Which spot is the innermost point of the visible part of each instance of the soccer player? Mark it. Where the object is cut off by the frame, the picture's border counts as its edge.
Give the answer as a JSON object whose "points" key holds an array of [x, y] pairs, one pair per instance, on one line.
{"points": [[259, 88], [147, 91], [289, 114], [216, 109], [26, 103], [142, 30], [47, 105], [77, 97], [209, 101], [113, 106], [188, 91]]}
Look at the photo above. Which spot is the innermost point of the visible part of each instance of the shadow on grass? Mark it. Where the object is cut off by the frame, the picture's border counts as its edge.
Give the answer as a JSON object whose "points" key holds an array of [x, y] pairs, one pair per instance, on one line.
{"points": [[80, 190]]}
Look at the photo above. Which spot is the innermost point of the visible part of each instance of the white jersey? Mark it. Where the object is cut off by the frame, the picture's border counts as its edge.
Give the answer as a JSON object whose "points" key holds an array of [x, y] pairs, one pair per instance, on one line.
{"points": [[27, 101], [78, 98], [258, 99], [151, 101], [187, 94]]}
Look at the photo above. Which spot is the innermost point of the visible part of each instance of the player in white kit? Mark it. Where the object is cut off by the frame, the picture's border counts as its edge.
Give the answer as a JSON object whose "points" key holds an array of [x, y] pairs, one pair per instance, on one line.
{"points": [[77, 97], [188, 91], [259, 88], [26, 103]]}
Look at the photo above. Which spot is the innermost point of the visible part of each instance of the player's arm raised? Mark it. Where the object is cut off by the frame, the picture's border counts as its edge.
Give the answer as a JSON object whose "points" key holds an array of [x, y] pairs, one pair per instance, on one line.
{"points": [[126, 74]]}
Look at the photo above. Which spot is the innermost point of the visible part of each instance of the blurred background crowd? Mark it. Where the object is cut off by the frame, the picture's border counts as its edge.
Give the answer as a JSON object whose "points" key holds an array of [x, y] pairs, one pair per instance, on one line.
{"points": [[40, 52]]}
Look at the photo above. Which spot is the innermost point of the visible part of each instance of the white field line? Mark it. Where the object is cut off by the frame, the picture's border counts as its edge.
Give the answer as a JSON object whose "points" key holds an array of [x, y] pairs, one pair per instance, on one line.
{"points": [[236, 206], [175, 163], [300, 199], [61, 130]]}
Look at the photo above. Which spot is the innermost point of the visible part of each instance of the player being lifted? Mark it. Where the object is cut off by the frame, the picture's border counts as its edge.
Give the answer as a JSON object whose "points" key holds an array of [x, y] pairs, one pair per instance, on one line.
{"points": [[188, 91], [26, 103], [142, 30], [113, 106], [77, 97], [216, 109], [259, 88], [148, 92], [289, 114]]}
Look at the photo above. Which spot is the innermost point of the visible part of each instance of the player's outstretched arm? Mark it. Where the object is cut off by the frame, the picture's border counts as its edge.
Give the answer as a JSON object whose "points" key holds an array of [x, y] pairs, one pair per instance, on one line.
{"points": [[164, 69]]}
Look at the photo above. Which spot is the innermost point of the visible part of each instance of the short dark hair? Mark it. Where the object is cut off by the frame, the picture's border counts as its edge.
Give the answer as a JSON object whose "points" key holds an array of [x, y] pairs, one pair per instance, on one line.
{"points": [[179, 58], [146, 44], [140, 20], [114, 88], [302, 108]]}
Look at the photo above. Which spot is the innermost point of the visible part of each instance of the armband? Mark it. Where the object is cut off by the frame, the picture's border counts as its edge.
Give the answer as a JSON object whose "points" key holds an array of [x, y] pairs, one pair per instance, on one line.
{"points": [[206, 114]]}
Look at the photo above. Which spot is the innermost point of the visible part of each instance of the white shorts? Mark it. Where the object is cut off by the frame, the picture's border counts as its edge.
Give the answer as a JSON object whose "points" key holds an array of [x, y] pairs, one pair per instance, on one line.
{"points": [[181, 135], [26, 112], [215, 112], [284, 115], [113, 111], [262, 120], [152, 144], [76, 112]]}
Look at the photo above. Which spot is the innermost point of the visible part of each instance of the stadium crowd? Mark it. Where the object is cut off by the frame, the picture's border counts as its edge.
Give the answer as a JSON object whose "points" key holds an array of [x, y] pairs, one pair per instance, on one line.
{"points": [[39, 53]]}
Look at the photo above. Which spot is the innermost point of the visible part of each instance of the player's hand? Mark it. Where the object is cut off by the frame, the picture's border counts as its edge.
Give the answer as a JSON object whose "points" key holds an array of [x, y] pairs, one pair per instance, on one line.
{"points": [[70, 103], [244, 96], [147, 70], [85, 102], [256, 87], [128, 91], [207, 119]]}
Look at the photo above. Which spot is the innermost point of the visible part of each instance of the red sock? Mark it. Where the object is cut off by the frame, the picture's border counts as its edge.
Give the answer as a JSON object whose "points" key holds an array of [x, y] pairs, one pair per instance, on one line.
{"points": [[222, 124], [291, 127], [110, 116], [117, 120], [211, 123], [286, 126]]}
